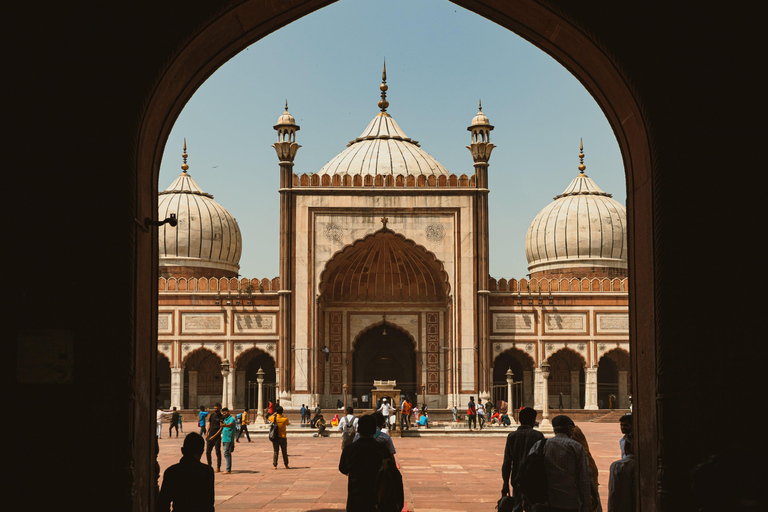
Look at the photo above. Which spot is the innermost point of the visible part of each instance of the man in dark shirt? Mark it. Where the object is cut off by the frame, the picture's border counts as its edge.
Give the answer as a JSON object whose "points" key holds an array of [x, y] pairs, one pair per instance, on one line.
{"points": [[518, 445], [188, 484], [174, 423], [361, 460], [471, 413], [213, 436]]}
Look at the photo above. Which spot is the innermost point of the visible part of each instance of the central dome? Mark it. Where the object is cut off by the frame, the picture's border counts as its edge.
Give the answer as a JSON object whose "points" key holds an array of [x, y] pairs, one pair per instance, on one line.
{"points": [[383, 149]]}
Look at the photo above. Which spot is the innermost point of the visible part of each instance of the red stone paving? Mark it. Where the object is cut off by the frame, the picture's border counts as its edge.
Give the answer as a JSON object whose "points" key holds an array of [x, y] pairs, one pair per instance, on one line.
{"points": [[439, 473]]}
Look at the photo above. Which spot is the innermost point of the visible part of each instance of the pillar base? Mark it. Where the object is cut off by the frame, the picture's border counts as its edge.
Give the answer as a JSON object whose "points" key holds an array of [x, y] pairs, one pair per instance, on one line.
{"points": [[591, 408]]}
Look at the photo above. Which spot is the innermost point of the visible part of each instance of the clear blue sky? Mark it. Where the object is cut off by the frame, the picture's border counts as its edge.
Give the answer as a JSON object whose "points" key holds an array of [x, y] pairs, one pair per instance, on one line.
{"points": [[441, 60]]}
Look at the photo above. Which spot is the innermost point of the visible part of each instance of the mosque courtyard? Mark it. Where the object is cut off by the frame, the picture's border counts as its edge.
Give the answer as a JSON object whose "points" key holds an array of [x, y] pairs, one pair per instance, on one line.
{"points": [[439, 472]]}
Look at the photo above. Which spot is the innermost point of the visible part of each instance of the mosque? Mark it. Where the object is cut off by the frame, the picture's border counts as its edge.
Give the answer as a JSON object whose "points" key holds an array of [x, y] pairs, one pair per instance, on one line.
{"points": [[384, 275]]}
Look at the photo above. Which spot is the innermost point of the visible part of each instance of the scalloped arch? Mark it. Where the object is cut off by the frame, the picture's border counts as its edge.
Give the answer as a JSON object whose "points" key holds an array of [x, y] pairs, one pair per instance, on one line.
{"points": [[395, 327], [384, 266]]}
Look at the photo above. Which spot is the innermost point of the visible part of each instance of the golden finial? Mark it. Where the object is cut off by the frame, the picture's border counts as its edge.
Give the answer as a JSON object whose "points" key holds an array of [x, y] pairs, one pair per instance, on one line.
{"points": [[286, 105], [582, 167], [383, 103], [480, 105], [184, 155]]}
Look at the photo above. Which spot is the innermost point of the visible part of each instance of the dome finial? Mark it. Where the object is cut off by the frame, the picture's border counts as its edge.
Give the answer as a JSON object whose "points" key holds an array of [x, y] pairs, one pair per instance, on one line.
{"points": [[582, 167], [383, 103], [184, 155], [286, 105], [480, 105]]}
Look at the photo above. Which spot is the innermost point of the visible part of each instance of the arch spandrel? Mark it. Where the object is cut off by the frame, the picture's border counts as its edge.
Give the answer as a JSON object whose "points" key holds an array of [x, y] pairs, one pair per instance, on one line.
{"points": [[571, 349], [244, 354], [185, 358], [390, 323], [384, 267]]}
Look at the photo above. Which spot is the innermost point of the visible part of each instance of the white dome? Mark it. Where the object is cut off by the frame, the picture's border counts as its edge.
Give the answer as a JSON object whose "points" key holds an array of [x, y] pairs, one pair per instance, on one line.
{"points": [[583, 227], [383, 149], [207, 235]]}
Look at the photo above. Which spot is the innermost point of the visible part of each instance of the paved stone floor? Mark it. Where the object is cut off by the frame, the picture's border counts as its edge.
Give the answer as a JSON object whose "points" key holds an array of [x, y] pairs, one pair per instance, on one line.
{"points": [[439, 473]]}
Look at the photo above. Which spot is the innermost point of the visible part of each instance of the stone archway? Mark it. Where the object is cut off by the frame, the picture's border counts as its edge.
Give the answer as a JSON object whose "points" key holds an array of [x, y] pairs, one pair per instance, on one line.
{"points": [[613, 380], [384, 352], [238, 25], [246, 378], [204, 383], [566, 380], [521, 365]]}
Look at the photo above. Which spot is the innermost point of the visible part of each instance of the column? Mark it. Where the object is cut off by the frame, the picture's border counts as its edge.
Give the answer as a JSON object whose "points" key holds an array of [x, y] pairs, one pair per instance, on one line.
{"points": [[575, 401], [193, 389], [528, 392], [623, 390], [260, 401], [545, 392], [537, 389], [590, 389], [177, 387]]}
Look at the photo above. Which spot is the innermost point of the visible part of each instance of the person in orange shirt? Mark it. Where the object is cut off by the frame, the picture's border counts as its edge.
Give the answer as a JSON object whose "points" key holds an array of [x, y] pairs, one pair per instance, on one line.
{"points": [[281, 443]]}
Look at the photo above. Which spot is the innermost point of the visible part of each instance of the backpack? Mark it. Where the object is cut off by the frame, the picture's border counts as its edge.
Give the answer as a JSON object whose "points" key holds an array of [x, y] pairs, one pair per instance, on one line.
{"points": [[273, 430], [531, 479], [348, 431], [389, 485]]}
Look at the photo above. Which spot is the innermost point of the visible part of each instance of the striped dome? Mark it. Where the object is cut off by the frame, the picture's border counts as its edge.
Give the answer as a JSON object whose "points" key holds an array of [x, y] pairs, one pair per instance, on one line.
{"points": [[582, 227], [383, 149], [207, 235]]}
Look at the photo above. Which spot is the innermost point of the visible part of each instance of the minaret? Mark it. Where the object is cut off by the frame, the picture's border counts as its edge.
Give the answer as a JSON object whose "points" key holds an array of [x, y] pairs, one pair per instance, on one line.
{"points": [[286, 149], [481, 148]]}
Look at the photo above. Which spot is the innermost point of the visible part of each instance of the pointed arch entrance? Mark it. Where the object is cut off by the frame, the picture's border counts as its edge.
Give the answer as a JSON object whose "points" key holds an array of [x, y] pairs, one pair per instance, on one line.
{"points": [[369, 291], [203, 382], [383, 352]]}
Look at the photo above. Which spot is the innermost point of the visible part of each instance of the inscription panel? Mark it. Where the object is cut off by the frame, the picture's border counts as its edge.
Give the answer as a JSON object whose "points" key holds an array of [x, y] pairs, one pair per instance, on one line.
{"points": [[613, 322], [254, 323], [565, 322], [202, 323], [164, 323], [514, 322]]}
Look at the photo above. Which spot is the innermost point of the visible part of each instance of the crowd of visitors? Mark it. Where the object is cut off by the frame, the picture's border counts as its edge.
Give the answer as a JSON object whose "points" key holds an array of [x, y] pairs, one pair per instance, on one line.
{"points": [[557, 474]]}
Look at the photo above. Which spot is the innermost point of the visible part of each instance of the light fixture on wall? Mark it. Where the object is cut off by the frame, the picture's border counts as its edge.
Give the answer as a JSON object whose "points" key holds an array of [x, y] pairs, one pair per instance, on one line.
{"points": [[384, 324]]}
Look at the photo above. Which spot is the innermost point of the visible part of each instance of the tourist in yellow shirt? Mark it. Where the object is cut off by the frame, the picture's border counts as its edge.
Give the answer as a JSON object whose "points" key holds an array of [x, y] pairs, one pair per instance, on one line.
{"points": [[281, 443]]}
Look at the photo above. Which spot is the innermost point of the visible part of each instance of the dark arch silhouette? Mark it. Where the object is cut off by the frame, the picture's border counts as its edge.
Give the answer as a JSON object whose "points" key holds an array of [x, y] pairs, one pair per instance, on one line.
{"points": [[379, 356], [238, 25]]}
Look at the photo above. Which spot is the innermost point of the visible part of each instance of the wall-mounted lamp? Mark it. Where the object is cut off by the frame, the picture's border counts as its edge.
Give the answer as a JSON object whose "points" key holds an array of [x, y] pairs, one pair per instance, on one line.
{"points": [[218, 299]]}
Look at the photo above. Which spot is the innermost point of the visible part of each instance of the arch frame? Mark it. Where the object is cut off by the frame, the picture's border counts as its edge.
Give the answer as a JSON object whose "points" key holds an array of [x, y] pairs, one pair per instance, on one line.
{"points": [[241, 23]]}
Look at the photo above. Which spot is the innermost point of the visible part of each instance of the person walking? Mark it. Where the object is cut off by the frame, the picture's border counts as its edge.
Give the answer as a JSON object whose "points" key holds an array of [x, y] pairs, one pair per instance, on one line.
{"points": [[228, 434], [621, 483], [567, 467], [213, 437], [348, 428], [281, 443], [174, 422], [160, 414], [303, 412], [455, 412], [405, 414], [385, 411], [518, 445], [471, 413], [480, 413], [244, 426], [201, 417], [188, 485], [362, 461]]}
